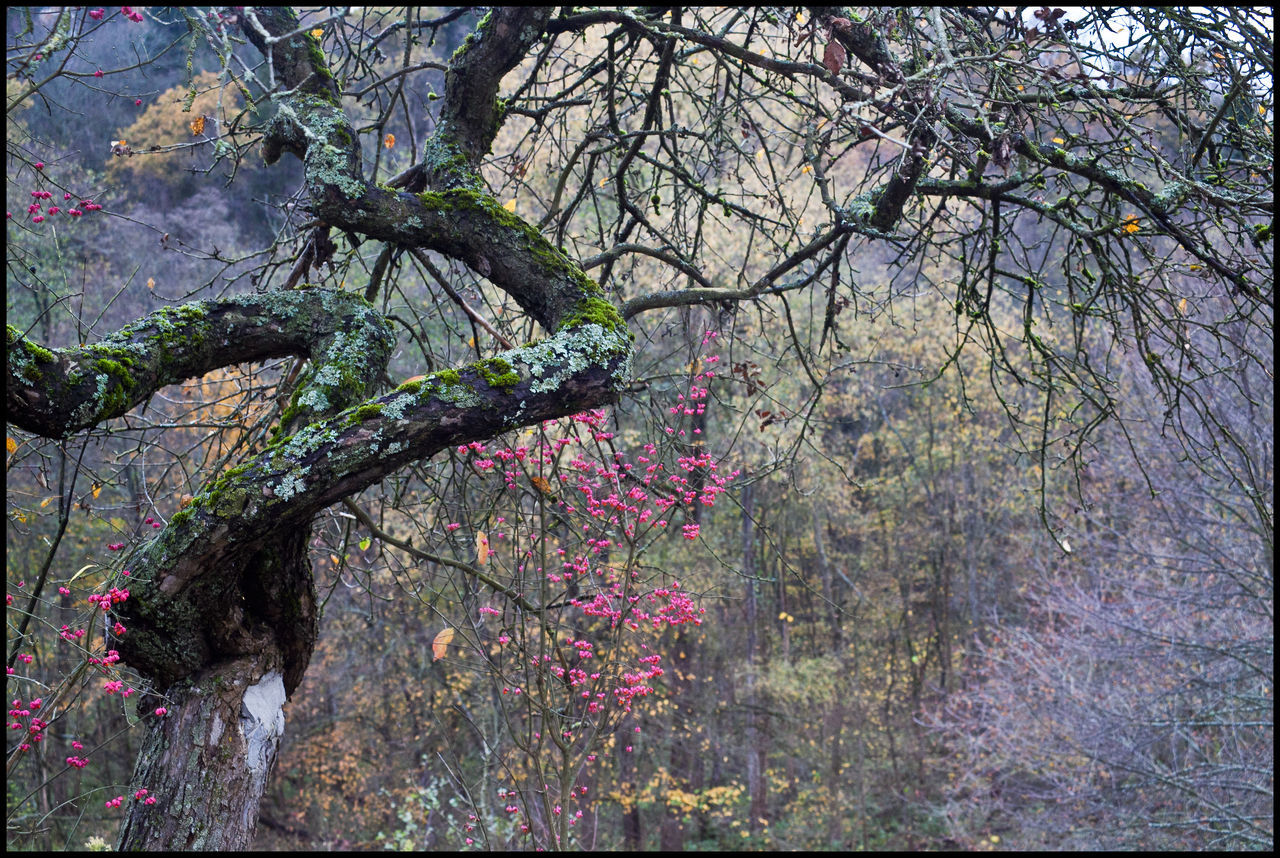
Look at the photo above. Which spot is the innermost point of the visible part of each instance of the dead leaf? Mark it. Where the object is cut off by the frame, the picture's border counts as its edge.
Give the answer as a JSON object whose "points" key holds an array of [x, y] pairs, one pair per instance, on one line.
{"points": [[482, 548], [834, 56], [441, 644]]}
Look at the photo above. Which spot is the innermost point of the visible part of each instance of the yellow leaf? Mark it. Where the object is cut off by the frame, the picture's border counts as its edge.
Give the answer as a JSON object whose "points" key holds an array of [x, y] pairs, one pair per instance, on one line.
{"points": [[97, 490], [1130, 224], [83, 569], [21, 517], [10, 445], [482, 548], [317, 32], [197, 125], [151, 283], [441, 644], [1059, 140], [510, 205], [44, 503], [759, 153], [389, 141], [1182, 307]]}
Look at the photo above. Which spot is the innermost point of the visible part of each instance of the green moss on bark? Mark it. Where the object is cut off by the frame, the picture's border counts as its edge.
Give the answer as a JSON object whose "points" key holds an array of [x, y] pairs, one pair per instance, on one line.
{"points": [[499, 374]]}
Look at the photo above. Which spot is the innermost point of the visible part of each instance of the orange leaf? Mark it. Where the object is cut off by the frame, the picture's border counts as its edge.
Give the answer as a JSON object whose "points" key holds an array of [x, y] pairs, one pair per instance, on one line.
{"points": [[197, 125], [10, 445], [389, 140], [441, 643], [482, 548], [541, 484]]}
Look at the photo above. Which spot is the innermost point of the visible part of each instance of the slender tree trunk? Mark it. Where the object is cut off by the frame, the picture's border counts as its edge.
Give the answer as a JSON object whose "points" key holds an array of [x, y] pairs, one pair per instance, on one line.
{"points": [[681, 759], [754, 733]]}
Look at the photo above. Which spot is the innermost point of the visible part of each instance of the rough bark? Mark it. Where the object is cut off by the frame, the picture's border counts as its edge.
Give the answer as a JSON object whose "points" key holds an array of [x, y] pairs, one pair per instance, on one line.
{"points": [[209, 759]]}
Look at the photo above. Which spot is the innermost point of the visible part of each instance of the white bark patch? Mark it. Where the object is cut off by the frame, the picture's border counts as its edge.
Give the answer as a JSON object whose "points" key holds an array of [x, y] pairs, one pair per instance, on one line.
{"points": [[262, 721]]}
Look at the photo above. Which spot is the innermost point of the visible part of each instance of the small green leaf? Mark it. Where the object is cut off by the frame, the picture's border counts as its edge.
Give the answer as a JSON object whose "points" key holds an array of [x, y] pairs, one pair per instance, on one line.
{"points": [[365, 543]]}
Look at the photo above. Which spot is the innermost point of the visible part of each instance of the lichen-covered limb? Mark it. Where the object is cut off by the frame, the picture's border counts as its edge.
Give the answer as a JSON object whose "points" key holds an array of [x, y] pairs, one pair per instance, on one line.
{"points": [[178, 615], [470, 113], [456, 216], [55, 392]]}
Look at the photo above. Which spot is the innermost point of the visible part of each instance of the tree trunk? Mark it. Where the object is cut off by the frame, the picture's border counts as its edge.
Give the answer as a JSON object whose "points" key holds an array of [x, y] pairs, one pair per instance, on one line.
{"points": [[207, 760], [754, 734]]}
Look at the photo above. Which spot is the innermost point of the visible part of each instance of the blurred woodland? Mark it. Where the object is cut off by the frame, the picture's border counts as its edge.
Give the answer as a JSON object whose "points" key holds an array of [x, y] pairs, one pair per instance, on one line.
{"points": [[936, 511]]}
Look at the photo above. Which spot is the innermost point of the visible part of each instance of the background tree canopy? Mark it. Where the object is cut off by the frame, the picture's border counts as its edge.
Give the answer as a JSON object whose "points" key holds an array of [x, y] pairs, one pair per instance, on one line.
{"points": [[656, 428]]}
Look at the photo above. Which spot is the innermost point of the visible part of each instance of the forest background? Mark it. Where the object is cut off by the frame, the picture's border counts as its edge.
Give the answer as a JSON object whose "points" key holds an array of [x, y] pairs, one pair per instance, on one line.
{"points": [[944, 589]]}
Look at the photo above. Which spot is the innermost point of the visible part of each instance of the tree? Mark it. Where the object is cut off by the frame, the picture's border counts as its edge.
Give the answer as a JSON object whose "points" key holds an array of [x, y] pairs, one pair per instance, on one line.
{"points": [[1072, 198]]}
